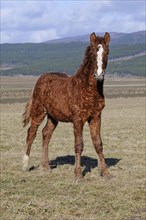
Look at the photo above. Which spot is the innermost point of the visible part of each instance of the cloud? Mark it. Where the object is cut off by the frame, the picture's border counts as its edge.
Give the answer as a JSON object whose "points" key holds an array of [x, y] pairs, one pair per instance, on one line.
{"points": [[41, 20]]}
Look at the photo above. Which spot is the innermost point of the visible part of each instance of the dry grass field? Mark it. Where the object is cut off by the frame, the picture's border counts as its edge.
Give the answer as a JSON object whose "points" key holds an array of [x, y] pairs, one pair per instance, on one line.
{"points": [[55, 195]]}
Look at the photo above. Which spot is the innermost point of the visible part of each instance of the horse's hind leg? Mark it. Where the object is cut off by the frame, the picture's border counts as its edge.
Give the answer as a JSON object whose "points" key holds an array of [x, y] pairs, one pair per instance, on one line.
{"points": [[46, 135], [31, 134]]}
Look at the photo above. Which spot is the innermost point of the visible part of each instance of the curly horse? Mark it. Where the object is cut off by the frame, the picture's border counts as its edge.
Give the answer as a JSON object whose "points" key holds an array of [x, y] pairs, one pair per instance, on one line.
{"points": [[76, 99]]}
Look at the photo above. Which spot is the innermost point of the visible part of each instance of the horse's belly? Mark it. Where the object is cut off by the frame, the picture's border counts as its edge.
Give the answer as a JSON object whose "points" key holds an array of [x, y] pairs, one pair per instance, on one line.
{"points": [[61, 116], [60, 112]]}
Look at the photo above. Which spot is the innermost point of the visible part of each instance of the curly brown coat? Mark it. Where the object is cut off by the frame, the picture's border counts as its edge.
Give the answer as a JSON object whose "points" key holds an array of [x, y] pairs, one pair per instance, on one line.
{"points": [[75, 99]]}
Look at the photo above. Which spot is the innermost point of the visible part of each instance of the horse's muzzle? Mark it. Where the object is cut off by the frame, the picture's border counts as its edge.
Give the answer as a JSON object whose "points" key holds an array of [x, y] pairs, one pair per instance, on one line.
{"points": [[100, 77]]}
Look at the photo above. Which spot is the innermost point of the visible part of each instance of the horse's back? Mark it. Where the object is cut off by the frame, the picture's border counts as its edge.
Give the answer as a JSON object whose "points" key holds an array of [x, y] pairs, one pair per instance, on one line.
{"points": [[54, 75], [57, 74]]}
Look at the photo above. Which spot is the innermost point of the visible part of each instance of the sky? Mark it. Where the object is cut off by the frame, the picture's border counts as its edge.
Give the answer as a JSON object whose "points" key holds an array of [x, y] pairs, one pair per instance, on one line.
{"points": [[42, 20]]}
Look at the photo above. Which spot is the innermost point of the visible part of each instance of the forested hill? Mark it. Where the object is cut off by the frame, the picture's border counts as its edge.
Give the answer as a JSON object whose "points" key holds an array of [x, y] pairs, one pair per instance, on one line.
{"points": [[127, 55]]}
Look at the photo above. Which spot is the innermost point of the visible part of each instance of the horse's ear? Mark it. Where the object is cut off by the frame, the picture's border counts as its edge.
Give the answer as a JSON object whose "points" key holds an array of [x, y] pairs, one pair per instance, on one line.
{"points": [[92, 37], [107, 38]]}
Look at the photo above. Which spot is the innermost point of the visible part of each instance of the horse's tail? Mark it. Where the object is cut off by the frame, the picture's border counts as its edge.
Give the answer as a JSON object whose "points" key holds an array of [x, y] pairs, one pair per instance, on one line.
{"points": [[27, 114]]}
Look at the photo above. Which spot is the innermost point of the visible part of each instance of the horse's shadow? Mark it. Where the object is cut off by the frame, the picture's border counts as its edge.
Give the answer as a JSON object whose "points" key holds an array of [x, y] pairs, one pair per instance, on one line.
{"points": [[87, 162]]}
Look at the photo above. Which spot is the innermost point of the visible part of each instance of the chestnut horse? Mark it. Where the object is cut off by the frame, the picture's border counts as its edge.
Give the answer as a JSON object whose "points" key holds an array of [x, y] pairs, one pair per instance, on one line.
{"points": [[77, 99]]}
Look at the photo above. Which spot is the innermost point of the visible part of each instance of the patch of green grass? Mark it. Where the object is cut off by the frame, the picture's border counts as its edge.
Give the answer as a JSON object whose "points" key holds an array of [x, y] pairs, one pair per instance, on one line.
{"points": [[134, 66], [55, 195]]}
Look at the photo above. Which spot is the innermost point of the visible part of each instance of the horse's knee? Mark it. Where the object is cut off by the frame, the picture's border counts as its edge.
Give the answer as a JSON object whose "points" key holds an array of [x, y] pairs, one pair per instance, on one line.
{"points": [[79, 148], [97, 142], [98, 147], [45, 132]]}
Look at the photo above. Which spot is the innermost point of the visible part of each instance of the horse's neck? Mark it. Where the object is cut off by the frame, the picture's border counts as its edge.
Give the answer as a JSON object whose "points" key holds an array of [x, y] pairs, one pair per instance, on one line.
{"points": [[85, 74], [87, 69]]}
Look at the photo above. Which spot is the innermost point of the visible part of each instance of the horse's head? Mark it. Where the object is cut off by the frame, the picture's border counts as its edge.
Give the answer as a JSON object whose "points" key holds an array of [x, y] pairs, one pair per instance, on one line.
{"points": [[100, 46]]}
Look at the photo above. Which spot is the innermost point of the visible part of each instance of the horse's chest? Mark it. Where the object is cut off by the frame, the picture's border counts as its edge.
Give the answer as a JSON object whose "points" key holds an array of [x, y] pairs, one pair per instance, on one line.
{"points": [[91, 104]]}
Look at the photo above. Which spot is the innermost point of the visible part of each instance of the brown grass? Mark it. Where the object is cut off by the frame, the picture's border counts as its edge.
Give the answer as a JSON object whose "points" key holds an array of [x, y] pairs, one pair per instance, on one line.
{"points": [[56, 195], [18, 89]]}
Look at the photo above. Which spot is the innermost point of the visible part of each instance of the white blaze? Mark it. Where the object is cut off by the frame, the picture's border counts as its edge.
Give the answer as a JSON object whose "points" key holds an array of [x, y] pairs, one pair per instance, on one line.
{"points": [[99, 60]]}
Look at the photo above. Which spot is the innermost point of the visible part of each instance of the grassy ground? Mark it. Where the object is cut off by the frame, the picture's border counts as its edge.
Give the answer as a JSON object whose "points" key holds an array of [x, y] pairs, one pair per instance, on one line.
{"points": [[17, 89], [55, 195]]}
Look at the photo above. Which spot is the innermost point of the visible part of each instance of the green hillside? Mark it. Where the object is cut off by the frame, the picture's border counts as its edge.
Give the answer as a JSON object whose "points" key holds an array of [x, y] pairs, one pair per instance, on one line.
{"points": [[135, 66], [34, 59]]}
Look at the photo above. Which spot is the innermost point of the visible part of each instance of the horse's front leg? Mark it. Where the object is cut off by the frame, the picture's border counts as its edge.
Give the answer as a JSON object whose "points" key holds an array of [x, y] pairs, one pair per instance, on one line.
{"points": [[95, 124], [78, 146]]}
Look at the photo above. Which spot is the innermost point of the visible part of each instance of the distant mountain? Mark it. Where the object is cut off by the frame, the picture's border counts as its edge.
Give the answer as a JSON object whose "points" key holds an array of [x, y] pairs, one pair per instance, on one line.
{"points": [[116, 38], [84, 38], [127, 55], [131, 38]]}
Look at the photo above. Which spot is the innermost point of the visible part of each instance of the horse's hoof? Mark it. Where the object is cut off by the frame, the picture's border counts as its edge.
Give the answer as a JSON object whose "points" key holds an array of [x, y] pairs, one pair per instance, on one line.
{"points": [[108, 177], [25, 168], [79, 178], [47, 169]]}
